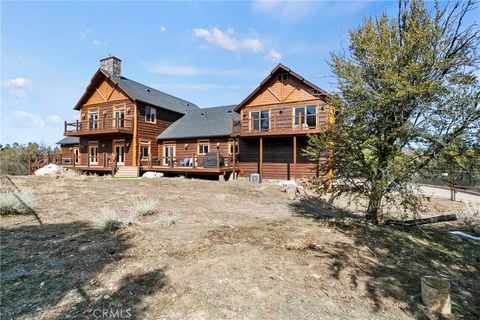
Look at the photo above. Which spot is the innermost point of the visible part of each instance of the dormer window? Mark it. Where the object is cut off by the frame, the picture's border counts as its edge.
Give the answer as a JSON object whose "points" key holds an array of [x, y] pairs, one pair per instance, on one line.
{"points": [[150, 114]]}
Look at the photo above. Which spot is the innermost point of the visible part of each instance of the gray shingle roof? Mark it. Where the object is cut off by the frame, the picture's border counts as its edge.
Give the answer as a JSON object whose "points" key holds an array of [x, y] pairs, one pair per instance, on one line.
{"points": [[208, 122], [153, 96], [69, 140]]}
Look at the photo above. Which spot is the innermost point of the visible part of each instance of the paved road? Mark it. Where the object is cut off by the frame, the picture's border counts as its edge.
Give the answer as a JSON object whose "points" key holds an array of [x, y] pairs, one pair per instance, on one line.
{"points": [[442, 193]]}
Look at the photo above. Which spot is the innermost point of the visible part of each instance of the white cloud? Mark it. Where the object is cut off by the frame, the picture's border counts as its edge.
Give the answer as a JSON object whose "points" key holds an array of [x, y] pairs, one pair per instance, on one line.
{"points": [[163, 29], [24, 119], [85, 33], [228, 40], [273, 55], [54, 120], [95, 42], [18, 87], [188, 70]]}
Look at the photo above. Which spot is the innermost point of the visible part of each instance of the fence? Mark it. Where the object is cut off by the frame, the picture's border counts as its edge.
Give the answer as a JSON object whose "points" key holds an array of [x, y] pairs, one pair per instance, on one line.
{"points": [[461, 180]]}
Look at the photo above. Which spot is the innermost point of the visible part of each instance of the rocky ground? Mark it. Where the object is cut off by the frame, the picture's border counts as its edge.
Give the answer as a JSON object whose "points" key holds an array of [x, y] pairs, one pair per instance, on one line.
{"points": [[215, 250]]}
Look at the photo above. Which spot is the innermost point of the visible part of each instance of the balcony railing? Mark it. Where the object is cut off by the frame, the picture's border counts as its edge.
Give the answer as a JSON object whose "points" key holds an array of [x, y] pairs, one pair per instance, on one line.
{"points": [[117, 125], [281, 124]]}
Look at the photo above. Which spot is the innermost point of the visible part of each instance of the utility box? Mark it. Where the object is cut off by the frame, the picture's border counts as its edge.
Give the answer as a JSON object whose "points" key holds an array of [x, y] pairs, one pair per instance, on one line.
{"points": [[255, 178]]}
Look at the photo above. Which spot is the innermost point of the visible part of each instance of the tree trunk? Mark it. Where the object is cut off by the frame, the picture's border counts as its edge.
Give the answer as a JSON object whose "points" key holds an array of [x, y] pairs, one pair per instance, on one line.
{"points": [[373, 210]]}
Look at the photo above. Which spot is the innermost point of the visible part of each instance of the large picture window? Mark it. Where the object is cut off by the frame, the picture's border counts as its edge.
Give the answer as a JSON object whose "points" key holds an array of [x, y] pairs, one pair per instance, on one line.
{"points": [[306, 116], [150, 114], [260, 120]]}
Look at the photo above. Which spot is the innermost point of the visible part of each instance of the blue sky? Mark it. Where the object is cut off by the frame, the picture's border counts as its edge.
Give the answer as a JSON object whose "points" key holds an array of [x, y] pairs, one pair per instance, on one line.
{"points": [[211, 53]]}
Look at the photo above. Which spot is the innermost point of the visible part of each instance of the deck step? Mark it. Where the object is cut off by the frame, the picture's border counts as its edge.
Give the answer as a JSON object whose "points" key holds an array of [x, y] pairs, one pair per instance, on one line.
{"points": [[126, 171]]}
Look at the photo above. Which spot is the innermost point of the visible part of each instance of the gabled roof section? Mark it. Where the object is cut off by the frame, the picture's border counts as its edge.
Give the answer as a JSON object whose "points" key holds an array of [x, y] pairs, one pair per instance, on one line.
{"points": [[281, 68], [139, 92], [207, 122], [69, 140]]}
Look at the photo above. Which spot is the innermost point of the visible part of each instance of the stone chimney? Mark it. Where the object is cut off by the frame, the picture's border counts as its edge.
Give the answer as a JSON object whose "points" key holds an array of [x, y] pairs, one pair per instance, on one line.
{"points": [[112, 65]]}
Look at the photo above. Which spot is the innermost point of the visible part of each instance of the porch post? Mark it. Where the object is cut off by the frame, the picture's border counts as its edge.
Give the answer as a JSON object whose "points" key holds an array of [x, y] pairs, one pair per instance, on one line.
{"points": [[234, 157], [294, 157], [261, 159]]}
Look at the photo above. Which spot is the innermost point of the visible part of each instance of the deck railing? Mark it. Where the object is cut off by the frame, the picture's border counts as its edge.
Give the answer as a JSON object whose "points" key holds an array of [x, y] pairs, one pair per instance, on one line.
{"points": [[278, 123], [189, 161], [99, 126]]}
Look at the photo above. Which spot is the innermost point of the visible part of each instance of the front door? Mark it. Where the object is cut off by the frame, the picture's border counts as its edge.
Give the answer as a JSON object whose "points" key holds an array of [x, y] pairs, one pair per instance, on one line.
{"points": [[120, 154]]}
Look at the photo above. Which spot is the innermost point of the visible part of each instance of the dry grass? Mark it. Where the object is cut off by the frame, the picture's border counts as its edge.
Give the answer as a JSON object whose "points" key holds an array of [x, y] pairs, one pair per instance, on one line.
{"points": [[231, 250]]}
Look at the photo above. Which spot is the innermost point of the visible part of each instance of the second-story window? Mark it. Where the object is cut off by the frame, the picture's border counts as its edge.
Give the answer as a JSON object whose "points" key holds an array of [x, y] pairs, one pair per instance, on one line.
{"points": [[150, 114], [203, 146], [260, 120]]}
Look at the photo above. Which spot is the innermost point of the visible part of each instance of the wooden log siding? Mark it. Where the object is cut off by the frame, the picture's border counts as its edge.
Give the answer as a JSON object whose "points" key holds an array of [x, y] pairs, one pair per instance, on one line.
{"points": [[278, 161], [147, 131]]}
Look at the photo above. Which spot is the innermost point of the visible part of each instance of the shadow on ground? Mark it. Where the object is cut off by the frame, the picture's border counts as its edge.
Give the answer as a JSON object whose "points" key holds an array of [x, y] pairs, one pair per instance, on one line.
{"points": [[391, 261], [42, 264]]}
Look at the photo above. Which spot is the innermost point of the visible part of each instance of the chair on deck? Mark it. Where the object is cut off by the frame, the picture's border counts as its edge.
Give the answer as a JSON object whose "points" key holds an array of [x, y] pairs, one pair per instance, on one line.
{"points": [[185, 162]]}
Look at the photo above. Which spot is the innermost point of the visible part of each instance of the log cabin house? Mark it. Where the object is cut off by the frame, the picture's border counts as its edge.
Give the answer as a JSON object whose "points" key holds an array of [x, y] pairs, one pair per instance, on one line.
{"points": [[127, 128]]}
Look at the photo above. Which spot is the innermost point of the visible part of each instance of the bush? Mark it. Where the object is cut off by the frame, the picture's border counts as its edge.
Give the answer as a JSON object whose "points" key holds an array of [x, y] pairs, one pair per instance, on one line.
{"points": [[17, 202], [142, 207], [109, 220], [471, 217]]}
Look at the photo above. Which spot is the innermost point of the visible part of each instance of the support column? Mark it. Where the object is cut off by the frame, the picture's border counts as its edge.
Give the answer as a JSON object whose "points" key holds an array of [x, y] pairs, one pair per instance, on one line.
{"points": [[234, 158], [294, 157], [261, 160]]}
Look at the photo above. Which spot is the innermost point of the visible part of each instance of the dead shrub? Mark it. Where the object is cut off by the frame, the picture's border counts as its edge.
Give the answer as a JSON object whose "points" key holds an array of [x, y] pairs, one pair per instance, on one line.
{"points": [[471, 217], [143, 207], [108, 220]]}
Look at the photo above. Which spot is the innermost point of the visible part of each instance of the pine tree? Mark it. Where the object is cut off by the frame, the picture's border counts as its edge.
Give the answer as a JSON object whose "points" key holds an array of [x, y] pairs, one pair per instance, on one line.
{"points": [[407, 88]]}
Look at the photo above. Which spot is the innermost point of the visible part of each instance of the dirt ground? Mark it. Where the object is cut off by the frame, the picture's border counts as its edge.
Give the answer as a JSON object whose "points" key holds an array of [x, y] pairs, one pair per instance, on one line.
{"points": [[215, 250]]}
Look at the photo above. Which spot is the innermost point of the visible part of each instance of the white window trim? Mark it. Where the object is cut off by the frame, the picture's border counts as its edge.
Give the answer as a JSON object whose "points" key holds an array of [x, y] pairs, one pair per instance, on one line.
{"points": [[154, 113], [203, 143]]}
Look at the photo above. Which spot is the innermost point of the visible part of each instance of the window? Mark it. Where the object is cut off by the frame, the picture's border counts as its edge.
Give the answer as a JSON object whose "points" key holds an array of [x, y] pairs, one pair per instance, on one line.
{"points": [[203, 146], [168, 154], [93, 152], [260, 120], [144, 150], [93, 119], [230, 147], [305, 117], [150, 114]]}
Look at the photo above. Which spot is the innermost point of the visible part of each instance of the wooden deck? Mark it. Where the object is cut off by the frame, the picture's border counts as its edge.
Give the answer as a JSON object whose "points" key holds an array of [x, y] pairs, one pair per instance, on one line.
{"points": [[189, 170], [89, 168]]}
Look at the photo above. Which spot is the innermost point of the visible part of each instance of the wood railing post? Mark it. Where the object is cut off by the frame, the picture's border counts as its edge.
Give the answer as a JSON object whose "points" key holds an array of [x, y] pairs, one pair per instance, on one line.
{"points": [[300, 123], [218, 159], [194, 161], [171, 160], [77, 126]]}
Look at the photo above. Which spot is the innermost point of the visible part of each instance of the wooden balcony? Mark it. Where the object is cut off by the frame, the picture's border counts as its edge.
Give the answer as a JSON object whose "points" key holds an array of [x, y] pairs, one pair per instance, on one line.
{"points": [[82, 128], [277, 125]]}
